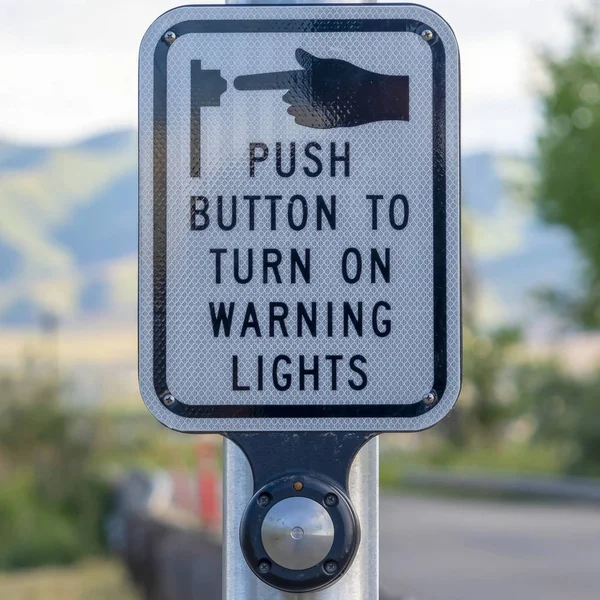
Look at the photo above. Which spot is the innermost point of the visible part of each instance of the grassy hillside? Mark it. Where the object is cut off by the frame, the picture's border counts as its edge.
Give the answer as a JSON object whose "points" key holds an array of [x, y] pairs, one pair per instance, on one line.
{"points": [[89, 581], [68, 229]]}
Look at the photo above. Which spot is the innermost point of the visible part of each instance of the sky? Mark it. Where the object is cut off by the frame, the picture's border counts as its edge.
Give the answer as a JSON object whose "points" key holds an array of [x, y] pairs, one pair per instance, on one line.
{"points": [[69, 68]]}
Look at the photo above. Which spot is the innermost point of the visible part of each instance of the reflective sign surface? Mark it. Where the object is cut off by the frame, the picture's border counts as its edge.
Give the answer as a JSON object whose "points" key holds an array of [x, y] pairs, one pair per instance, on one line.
{"points": [[299, 218]]}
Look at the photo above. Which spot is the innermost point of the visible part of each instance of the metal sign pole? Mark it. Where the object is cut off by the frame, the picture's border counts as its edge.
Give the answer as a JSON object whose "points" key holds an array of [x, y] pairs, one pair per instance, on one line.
{"points": [[362, 580]]}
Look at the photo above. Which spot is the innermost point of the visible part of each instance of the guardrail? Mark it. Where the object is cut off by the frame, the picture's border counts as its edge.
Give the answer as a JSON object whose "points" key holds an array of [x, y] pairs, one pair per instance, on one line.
{"points": [[578, 489], [167, 554], [169, 563]]}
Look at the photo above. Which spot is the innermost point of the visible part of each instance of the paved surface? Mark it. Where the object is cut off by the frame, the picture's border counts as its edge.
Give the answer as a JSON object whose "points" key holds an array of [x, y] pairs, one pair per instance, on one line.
{"points": [[469, 550]]}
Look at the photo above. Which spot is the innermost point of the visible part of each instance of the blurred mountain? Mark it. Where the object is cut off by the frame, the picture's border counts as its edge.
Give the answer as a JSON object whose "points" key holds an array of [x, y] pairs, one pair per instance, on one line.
{"points": [[68, 235], [68, 231]]}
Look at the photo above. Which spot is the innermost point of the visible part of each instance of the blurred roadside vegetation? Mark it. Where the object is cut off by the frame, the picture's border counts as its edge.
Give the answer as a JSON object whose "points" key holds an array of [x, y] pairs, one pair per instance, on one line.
{"points": [[58, 465], [517, 413]]}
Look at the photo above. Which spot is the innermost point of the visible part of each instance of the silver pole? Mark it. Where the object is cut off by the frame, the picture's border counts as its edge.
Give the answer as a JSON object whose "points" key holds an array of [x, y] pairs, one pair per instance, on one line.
{"points": [[362, 580]]}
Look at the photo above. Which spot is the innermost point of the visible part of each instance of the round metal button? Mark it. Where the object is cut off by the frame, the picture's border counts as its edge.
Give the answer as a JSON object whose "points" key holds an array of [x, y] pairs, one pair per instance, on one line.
{"points": [[297, 533]]}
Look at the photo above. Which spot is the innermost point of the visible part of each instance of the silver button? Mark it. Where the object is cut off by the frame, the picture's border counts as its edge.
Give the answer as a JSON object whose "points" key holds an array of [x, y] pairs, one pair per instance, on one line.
{"points": [[297, 533]]}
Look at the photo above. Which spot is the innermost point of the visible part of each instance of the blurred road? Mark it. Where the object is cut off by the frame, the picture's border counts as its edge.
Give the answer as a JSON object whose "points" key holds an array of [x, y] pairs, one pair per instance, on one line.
{"points": [[467, 550]]}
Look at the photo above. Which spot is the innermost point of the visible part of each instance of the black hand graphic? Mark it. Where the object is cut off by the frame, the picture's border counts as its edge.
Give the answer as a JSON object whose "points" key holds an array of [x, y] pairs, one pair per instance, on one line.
{"points": [[330, 92]]}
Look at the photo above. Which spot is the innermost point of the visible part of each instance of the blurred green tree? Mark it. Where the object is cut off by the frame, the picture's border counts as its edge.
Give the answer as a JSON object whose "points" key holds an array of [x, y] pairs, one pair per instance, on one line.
{"points": [[564, 408], [488, 404], [58, 462], [567, 191], [54, 497]]}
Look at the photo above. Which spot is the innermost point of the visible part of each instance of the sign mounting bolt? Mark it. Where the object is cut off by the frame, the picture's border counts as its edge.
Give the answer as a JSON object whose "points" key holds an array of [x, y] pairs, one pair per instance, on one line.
{"points": [[169, 400], [430, 398], [170, 37], [427, 35], [264, 566], [330, 567], [264, 500], [331, 500]]}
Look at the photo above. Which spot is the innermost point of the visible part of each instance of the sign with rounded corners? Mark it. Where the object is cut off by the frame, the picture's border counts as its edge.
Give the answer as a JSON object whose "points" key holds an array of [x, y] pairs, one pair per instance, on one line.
{"points": [[299, 252]]}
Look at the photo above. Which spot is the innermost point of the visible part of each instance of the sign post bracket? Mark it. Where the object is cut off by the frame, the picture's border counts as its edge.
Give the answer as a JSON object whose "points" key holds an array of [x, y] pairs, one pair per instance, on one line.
{"points": [[302, 476], [361, 582]]}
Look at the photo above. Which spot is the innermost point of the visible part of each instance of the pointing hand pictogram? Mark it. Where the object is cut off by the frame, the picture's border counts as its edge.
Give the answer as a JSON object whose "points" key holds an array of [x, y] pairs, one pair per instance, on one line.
{"points": [[329, 92]]}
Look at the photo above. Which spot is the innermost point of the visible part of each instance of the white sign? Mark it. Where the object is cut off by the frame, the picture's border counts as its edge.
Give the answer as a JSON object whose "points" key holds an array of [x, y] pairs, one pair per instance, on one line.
{"points": [[299, 218]]}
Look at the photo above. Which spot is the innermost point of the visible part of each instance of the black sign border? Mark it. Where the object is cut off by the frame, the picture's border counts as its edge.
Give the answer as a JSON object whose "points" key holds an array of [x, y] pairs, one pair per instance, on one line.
{"points": [[298, 411]]}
